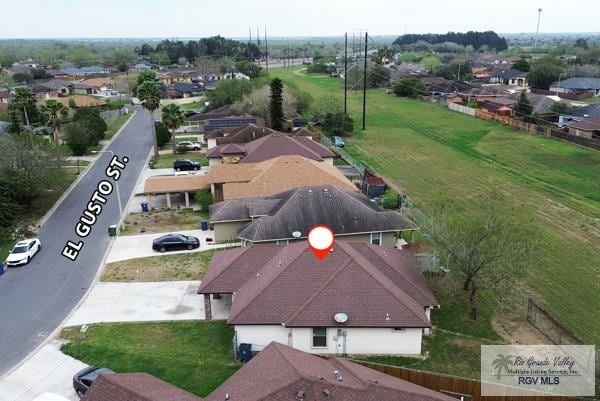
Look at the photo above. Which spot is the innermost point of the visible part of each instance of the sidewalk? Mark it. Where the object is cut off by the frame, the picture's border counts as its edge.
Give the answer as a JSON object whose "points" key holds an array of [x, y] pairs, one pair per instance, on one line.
{"points": [[48, 370]]}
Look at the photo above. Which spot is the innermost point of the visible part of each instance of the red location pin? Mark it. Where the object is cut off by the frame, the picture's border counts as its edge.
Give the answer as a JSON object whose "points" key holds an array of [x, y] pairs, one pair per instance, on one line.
{"points": [[320, 240]]}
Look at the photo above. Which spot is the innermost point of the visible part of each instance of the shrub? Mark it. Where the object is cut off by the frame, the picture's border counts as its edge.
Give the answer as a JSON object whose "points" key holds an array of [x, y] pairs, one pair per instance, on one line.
{"points": [[204, 198], [408, 87], [337, 124], [78, 138], [390, 199], [163, 135]]}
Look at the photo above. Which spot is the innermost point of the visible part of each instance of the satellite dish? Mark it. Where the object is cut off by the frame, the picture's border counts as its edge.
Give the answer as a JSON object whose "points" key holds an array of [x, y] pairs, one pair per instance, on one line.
{"points": [[296, 234], [340, 317]]}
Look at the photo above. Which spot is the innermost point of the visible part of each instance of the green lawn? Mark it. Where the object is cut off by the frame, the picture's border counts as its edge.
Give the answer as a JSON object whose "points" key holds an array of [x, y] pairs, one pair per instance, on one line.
{"points": [[195, 356], [434, 154], [115, 124], [184, 266], [166, 160], [192, 106]]}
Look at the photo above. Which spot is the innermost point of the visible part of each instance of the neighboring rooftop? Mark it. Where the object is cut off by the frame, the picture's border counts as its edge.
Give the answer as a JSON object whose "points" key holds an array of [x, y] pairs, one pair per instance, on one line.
{"points": [[273, 176], [591, 111], [577, 83], [135, 387], [270, 146], [587, 124], [278, 216], [284, 373], [375, 286]]}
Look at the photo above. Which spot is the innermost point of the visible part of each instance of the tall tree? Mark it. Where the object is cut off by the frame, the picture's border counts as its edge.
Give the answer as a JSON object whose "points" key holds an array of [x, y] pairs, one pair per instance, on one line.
{"points": [[149, 93], [276, 104], [55, 112], [523, 108], [24, 101], [172, 117], [488, 247]]}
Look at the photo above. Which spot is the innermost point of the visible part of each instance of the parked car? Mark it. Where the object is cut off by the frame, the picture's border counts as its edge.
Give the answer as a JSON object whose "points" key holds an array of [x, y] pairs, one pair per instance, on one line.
{"points": [[23, 252], [172, 242], [86, 377], [337, 141], [188, 145], [186, 165]]}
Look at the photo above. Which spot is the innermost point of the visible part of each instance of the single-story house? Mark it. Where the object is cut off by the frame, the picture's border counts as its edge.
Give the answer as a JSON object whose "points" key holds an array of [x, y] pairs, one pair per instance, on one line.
{"points": [[250, 180], [185, 90], [577, 85], [587, 128], [81, 88], [135, 387], [60, 87], [501, 106], [268, 147], [288, 216], [270, 177], [238, 134], [100, 83], [510, 77], [280, 372], [442, 86], [361, 299]]}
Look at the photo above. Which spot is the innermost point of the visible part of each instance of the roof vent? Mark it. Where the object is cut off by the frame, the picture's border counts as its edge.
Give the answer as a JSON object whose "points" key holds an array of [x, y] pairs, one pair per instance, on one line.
{"points": [[337, 375], [300, 395], [257, 275], [325, 190], [387, 316], [310, 191], [296, 234], [226, 396], [326, 393]]}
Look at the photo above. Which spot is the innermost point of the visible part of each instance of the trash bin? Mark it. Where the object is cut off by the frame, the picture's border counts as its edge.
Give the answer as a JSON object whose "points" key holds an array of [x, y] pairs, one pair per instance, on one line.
{"points": [[1, 268], [245, 352], [144, 207], [112, 230], [204, 225]]}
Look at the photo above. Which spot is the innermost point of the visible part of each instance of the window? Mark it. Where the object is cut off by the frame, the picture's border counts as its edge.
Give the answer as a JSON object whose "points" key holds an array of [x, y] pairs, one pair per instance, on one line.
{"points": [[376, 238], [319, 337]]}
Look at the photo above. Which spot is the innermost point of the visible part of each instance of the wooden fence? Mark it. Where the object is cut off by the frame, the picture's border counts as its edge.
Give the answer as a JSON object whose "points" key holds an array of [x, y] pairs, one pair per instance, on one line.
{"points": [[458, 387]]}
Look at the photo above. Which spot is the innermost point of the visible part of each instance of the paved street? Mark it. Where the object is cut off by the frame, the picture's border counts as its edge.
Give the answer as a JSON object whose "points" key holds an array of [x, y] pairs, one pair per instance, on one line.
{"points": [[35, 299]]}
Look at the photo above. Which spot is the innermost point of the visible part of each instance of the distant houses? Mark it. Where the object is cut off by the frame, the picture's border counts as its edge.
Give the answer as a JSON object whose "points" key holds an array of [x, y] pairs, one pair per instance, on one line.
{"points": [[577, 86]]}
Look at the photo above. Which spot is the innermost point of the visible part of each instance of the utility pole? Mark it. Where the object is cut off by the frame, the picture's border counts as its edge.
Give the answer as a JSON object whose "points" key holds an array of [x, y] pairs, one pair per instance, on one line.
{"points": [[458, 73], [346, 74], [250, 52], [266, 50], [537, 32], [258, 44], [365, 85]]}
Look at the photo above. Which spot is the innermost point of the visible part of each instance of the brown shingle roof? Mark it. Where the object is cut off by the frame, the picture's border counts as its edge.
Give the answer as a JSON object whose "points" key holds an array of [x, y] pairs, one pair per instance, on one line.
{"points": [[273, 176], [281, 373], [245, 134], [287, 285], [135, 387], [302, 208], [273, 145], [164, 184], [589, 124]]}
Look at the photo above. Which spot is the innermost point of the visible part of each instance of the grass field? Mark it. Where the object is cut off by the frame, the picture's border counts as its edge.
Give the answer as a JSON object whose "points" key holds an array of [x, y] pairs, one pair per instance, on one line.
{"points": [[195, 356], [185, 266], [433, 154]]}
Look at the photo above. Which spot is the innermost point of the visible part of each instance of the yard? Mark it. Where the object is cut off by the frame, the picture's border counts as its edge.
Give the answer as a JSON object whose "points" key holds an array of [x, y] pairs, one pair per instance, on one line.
{"points": [[195, 356], [115, 124], [433, 154], [163, 221], [186, 266]]}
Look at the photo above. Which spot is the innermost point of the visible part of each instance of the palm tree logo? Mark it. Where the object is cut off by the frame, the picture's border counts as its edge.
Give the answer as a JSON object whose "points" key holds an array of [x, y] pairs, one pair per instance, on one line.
{"points": [[501, 362]]}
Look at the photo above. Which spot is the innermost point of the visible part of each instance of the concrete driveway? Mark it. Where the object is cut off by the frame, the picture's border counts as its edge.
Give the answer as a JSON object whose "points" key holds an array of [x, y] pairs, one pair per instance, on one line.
{"points": [[141, 302], [140, 246], [47, 370]]}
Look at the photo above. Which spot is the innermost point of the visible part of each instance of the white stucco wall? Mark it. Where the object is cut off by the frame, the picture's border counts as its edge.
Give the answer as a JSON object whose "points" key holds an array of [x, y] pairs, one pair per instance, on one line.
{"points": [[211, 142], [214, 161], [363, 341]]}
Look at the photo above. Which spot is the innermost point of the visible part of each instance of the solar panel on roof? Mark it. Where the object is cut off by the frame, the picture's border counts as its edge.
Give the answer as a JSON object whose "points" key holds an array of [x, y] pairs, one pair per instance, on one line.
{"points": [[216, 123]]}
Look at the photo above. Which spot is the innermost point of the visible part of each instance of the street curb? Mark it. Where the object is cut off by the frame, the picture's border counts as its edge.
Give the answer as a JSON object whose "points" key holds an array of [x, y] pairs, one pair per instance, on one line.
{"points": [[74, 183], [53, 334]]}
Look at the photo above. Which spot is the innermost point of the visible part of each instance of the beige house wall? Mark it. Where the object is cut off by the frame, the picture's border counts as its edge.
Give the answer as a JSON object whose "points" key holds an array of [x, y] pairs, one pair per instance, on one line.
{"points": [[227, 231]]}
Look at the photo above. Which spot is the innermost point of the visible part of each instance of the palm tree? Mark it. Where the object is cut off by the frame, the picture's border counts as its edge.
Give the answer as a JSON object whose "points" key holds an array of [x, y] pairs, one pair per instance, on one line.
{"points": [[149, 93], [500, 363], [24, 101], [172, 117], [54, 111]]}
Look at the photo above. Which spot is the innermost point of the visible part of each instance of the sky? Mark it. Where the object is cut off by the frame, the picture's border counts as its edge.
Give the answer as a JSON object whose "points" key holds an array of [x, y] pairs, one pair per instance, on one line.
{"points": [[231, 18]]}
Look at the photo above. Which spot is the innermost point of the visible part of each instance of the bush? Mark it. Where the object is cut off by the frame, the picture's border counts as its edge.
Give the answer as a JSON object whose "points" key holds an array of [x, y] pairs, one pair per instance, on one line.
{"points": [[78, 138], [337, 124], [408, 87], [163, 135], [390, 199], [320, 68], [204, 198], [90, 118]]}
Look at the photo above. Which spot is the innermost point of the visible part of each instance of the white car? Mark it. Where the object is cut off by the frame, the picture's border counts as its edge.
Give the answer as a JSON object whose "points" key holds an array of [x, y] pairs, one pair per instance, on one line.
{"points": [[23, 252], [189, 145]]}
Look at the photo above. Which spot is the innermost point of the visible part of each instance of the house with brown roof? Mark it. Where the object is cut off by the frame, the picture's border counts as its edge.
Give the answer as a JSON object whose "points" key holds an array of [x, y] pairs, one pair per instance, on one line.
{"points": [[269, 146], [269, 177], [135, 387], [280, 372], [361, 299], [587, 128], [251, 180], [237, 134], [288, 216]]}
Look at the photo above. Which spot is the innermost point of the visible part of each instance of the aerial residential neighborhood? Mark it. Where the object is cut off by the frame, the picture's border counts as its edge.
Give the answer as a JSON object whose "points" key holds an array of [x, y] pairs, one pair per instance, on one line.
{"points": [[266, 202]]}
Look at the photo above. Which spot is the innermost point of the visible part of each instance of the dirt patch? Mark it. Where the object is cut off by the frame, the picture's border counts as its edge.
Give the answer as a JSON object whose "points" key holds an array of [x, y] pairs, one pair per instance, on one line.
{"points": [[518, 331], [162, 221]]}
